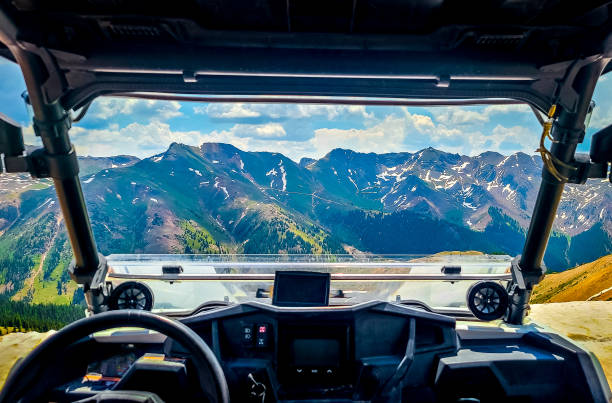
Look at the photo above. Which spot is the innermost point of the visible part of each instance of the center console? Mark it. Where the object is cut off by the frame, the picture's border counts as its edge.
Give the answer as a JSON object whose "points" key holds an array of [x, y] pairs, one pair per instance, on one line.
{"points": [[314, 356], [321, 352]]}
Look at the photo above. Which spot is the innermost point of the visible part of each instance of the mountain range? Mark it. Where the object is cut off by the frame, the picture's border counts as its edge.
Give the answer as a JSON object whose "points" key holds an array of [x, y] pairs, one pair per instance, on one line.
{"points": [[218, 199]]}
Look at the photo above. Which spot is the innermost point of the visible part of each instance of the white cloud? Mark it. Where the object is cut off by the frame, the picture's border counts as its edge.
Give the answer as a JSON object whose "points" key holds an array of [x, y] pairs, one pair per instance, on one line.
{"points": [[134, 139], [267, 131], [410, 132], [383, 137], [602, 114], [421, 123], [457, 116], [155, 137], [149, 110], [474, 115], [226, 111], [276, 111], [395, 132], [512, 139]]}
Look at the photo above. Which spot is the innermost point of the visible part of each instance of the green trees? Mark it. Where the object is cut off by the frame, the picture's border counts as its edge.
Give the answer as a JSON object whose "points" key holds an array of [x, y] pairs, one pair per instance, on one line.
{"points": [[197, 240], [37, 317]]}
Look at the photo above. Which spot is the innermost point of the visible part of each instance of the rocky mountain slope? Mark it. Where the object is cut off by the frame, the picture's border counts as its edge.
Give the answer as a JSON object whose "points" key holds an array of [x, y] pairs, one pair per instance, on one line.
{"points": [[217, 199]]}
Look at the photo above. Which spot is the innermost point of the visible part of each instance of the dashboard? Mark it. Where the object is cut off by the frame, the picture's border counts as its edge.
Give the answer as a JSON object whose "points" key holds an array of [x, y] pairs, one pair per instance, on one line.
{"points": [[337, 352], [375, 351]]}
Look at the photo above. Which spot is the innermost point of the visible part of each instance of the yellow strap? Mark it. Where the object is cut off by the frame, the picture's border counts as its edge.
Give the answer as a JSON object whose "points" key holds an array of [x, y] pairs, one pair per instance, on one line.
{"points": [[550, 161]]}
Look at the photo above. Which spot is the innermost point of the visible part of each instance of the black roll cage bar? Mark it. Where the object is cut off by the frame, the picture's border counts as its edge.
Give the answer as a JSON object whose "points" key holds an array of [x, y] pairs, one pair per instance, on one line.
{"points": [[52, 121]]}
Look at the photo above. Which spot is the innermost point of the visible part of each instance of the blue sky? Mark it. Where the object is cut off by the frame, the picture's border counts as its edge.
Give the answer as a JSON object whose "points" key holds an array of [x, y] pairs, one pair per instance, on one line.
{"points": [[143, 128]]}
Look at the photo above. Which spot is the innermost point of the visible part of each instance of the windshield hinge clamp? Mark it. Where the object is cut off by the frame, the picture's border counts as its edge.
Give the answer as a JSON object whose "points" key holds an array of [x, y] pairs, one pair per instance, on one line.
{"points": [[586, 169], [94, 284], [40, 164], [519, 290], [54, 128], [525, 279]]}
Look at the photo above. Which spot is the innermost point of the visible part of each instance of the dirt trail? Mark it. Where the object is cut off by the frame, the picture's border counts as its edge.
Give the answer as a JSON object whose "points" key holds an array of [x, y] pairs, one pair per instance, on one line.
{"points": [[587, 323], [16, 345]]}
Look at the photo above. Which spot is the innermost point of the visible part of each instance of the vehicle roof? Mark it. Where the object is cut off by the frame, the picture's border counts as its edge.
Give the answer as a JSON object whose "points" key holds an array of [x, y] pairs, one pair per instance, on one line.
{"points": [[518, 49]]}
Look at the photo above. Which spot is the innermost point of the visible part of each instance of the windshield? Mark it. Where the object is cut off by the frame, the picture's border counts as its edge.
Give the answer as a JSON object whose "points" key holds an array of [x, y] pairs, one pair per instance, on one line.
{"points": [[354, 278], [237, 188]]}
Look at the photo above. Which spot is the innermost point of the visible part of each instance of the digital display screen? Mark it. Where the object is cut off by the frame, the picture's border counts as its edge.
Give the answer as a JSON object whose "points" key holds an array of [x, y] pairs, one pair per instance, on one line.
{"points": [[315, 353], [293, 288]]}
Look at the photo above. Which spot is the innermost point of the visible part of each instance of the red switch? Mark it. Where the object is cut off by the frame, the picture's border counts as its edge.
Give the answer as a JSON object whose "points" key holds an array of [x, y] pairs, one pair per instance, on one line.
{"points": [[262, 336]]}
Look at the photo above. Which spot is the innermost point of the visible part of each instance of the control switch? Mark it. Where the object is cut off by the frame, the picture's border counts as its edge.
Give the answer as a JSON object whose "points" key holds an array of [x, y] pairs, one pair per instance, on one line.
{"points": [[262, 337], [247, 335]]}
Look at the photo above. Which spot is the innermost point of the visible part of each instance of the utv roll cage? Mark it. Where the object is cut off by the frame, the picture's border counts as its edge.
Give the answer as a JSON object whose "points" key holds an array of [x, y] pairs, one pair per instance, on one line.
{"points": [[549, 56]]}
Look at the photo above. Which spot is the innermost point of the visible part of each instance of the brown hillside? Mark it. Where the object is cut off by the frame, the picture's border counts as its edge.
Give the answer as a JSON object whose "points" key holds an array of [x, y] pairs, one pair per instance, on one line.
{"points": [[589, 282]]}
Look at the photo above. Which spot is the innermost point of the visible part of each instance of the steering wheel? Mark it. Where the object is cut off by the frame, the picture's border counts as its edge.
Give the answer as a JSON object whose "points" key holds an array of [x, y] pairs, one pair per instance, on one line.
{"points": [[24, 378]]}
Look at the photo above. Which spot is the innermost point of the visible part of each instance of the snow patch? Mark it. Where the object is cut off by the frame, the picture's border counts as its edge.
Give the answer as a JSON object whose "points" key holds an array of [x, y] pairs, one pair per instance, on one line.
{"points": [[502, 162], [492, 185], [469, 205], [282, 168], [216, 185], [450, 184], [353, 182], [461, 167]]}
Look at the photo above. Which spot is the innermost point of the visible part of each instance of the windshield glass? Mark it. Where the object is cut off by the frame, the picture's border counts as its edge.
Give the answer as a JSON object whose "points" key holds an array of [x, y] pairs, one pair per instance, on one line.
{"points": [[354, 279]]}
